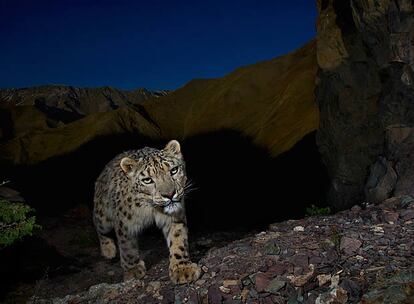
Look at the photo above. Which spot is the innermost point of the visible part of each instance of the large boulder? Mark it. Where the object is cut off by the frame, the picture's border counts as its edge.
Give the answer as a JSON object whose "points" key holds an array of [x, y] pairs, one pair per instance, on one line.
{"points": [[366, 99]]}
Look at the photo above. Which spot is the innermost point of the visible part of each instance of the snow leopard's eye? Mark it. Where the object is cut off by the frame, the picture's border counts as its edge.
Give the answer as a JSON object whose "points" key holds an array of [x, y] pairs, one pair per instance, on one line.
{"points": [[147, 180], [174, 170]]}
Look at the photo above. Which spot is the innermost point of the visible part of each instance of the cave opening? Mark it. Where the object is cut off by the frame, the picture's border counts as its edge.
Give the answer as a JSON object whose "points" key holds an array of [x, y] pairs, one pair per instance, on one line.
{"points": [[241, 189]]}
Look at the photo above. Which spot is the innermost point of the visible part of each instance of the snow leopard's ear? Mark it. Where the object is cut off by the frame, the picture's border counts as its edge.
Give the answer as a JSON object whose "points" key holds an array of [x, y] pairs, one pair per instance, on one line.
{"points": [[127, 164], [174, 148]]}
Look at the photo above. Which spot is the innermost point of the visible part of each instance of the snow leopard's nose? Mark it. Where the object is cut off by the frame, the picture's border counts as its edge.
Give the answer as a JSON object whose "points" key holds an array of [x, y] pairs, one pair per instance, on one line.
{"points": [[169, 195]]}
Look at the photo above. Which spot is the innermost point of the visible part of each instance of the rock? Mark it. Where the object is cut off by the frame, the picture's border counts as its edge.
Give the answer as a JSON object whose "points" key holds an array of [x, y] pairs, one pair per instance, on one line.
{"points": [[407, 201], [194, 298], [261, 234], [247, 280], [153, 286], [352, 288], [227, 283], [277, 269], [277, 299], [390, 217], [391, 290], [356, 209], [10, 194], [224, 289], [301, 260], [299, 228], [211, 262], [350, 245], [271, 248], [323, 279], [214, 295], [377, 230], [400, 144], [302, 279], [261, 281], [287, 253], [244, 294], [337, 295], [234, 289], [315, 260], [293, 300], [334, 281], [253, 293], [297, 271], [407, 214], [390, 203], [275, 285], [381, 181]]}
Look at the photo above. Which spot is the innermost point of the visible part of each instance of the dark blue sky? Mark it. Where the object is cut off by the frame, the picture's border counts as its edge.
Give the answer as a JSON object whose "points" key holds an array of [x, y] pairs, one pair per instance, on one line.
{"points": [[152, 44]]}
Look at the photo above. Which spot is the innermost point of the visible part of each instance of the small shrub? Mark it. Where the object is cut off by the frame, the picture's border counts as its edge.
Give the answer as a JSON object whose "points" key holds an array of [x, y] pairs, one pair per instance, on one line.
{"points": [[314, 210], [336, 238], [15, 222]]}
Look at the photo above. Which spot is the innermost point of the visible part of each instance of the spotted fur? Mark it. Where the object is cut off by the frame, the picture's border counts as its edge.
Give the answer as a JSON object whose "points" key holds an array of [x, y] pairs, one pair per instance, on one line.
{"points": [[136, 189]]}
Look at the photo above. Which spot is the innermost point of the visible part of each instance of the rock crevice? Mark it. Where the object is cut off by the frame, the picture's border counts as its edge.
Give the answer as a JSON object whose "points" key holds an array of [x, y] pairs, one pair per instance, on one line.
{"points": [[364, 89]]}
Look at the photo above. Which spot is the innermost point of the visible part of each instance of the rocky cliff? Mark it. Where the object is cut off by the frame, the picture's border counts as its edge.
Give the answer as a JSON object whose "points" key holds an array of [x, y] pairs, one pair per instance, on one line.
{"points": [[365, 92]]}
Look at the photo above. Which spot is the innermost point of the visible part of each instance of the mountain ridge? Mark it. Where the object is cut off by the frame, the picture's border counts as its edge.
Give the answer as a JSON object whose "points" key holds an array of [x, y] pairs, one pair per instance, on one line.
{"points": [[271, 102], [81, 101]]}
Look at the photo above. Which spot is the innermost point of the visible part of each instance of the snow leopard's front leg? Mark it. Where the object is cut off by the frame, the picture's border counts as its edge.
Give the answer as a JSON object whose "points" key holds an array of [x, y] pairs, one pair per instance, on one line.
{"points": [[133, 266], [181, 269]]}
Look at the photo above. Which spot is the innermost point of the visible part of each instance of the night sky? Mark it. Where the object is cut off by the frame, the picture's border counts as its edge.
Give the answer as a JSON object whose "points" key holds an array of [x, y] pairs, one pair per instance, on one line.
{"points": [[152, 44]]}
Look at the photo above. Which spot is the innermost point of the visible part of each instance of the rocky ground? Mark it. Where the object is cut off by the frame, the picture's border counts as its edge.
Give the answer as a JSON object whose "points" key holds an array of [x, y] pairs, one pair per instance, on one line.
{"points": [[64, 256], [361, 255]]}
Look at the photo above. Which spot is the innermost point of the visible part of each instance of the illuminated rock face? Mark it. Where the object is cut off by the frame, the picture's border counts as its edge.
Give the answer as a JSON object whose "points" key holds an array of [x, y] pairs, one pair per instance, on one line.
{"points": [[365, 93]]}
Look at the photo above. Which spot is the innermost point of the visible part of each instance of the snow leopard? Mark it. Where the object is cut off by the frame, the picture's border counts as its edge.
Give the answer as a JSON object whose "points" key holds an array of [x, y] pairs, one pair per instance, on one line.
{"points": [[135, 190]]}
